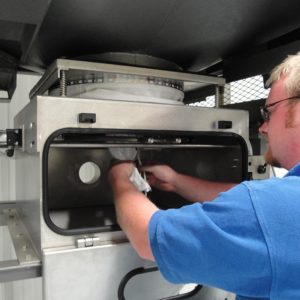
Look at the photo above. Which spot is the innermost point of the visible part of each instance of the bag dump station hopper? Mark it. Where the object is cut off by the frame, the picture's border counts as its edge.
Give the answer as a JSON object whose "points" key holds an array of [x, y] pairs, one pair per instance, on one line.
{"points": [[80, 113]]}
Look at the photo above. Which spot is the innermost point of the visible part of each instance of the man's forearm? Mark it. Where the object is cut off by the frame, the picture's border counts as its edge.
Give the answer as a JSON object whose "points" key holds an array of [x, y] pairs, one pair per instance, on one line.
{"points": [[134, 212], [199, 190]]}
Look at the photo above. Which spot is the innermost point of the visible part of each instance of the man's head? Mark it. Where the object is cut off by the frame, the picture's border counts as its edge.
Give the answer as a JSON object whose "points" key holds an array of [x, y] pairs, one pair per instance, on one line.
{"points": [[282, 126]]}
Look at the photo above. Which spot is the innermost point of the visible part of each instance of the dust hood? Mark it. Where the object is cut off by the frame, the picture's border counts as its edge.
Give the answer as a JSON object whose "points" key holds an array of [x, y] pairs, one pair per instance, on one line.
{"points": [[233, 39]]}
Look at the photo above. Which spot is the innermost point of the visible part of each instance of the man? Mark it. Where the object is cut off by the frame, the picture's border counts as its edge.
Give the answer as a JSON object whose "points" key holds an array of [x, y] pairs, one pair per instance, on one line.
{"points": [[247, 240]]}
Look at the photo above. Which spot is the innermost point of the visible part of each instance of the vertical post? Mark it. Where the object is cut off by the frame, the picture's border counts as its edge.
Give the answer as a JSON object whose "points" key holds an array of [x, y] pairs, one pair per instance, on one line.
{"points": [[63, 84], [219, 95]]}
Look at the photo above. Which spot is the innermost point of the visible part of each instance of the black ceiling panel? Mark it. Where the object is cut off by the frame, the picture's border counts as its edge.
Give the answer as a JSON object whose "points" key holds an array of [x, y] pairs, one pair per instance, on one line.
{"points": [[198, 35]]}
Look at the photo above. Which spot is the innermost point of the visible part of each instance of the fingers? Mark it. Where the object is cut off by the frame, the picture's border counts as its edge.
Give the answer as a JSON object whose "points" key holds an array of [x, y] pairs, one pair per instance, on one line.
{"points": [[154, 168], [164, 186], [150, 169], [151, 179], [156, 181]]}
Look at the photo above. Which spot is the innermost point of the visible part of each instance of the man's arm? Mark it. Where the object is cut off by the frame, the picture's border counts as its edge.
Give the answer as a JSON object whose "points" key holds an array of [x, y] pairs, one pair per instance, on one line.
{"points": [[193, 189], [133, 209]]}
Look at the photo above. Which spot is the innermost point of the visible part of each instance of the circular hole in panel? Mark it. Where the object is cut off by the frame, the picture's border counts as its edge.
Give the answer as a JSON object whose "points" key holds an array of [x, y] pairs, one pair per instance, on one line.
{"points": [[89, 172]]}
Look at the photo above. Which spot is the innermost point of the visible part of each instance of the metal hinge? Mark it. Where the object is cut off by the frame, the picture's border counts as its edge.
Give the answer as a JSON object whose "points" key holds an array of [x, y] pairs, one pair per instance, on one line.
{"points": [[88, 242]]}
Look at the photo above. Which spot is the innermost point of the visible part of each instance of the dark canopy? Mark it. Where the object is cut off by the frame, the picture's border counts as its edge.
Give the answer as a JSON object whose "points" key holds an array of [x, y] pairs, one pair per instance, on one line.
{"points": [[233, 38]]}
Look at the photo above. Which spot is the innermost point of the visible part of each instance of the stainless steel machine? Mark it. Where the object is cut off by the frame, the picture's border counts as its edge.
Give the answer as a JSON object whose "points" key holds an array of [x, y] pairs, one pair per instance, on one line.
{"points": [[69, 130]]}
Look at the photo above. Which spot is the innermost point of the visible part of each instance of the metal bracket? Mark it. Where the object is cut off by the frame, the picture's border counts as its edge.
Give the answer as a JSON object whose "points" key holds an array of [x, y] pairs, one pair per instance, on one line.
{"points": [[10, 139], [27, 265], [257, 167]]}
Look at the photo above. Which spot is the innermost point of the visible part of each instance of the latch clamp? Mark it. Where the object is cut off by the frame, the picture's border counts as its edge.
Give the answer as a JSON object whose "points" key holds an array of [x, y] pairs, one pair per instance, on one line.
{"points": [[88, 242]]}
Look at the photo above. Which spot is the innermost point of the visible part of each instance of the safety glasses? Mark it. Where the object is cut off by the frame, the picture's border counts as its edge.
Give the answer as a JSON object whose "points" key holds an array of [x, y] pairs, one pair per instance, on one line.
{"points": [[266, 113]]}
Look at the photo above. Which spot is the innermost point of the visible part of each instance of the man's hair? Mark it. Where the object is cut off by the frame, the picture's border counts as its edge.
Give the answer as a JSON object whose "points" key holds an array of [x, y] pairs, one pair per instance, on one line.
{"points": [[289, 68]]}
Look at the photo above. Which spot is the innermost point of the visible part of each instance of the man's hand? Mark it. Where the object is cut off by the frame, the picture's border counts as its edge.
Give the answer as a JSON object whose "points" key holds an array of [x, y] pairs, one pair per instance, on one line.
{"points": [[161, 177], [120, 171], [191, 188]]}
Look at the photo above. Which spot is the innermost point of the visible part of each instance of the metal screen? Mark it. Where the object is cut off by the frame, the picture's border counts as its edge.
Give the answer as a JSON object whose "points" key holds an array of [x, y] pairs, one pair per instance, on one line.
{"points": [[244, 90]]}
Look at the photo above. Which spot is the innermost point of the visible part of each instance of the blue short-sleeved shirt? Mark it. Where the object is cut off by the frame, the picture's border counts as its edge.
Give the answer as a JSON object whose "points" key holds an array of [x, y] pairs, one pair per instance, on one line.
{"points": [[246, 241]]}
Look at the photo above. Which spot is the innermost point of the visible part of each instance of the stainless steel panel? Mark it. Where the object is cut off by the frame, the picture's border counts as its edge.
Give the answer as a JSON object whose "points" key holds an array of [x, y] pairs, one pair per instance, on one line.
{"points": [[28, 194], [26, 120], [28, 170], [56, 113], [95, 273]]}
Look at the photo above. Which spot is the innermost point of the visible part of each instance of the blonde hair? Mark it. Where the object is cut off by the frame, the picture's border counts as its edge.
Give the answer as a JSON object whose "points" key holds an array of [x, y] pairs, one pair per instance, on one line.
{"points": [[289, 68]]}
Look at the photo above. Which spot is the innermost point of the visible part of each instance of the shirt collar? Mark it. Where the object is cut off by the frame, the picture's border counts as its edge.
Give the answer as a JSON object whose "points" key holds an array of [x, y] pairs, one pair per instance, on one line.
{"points": [[295, 171]]}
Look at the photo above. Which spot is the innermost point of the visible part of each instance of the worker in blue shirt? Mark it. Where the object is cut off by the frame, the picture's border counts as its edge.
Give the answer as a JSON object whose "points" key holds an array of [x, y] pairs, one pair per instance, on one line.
{"points": [[247, 240]]}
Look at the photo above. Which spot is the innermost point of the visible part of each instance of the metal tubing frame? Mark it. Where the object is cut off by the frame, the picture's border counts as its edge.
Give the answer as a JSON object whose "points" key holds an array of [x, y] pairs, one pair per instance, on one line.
{"points": [[27, 265]]}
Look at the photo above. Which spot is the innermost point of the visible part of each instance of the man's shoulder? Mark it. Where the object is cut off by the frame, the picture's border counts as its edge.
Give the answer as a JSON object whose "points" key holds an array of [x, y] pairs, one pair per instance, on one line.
{"points": [[273, 184]]}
